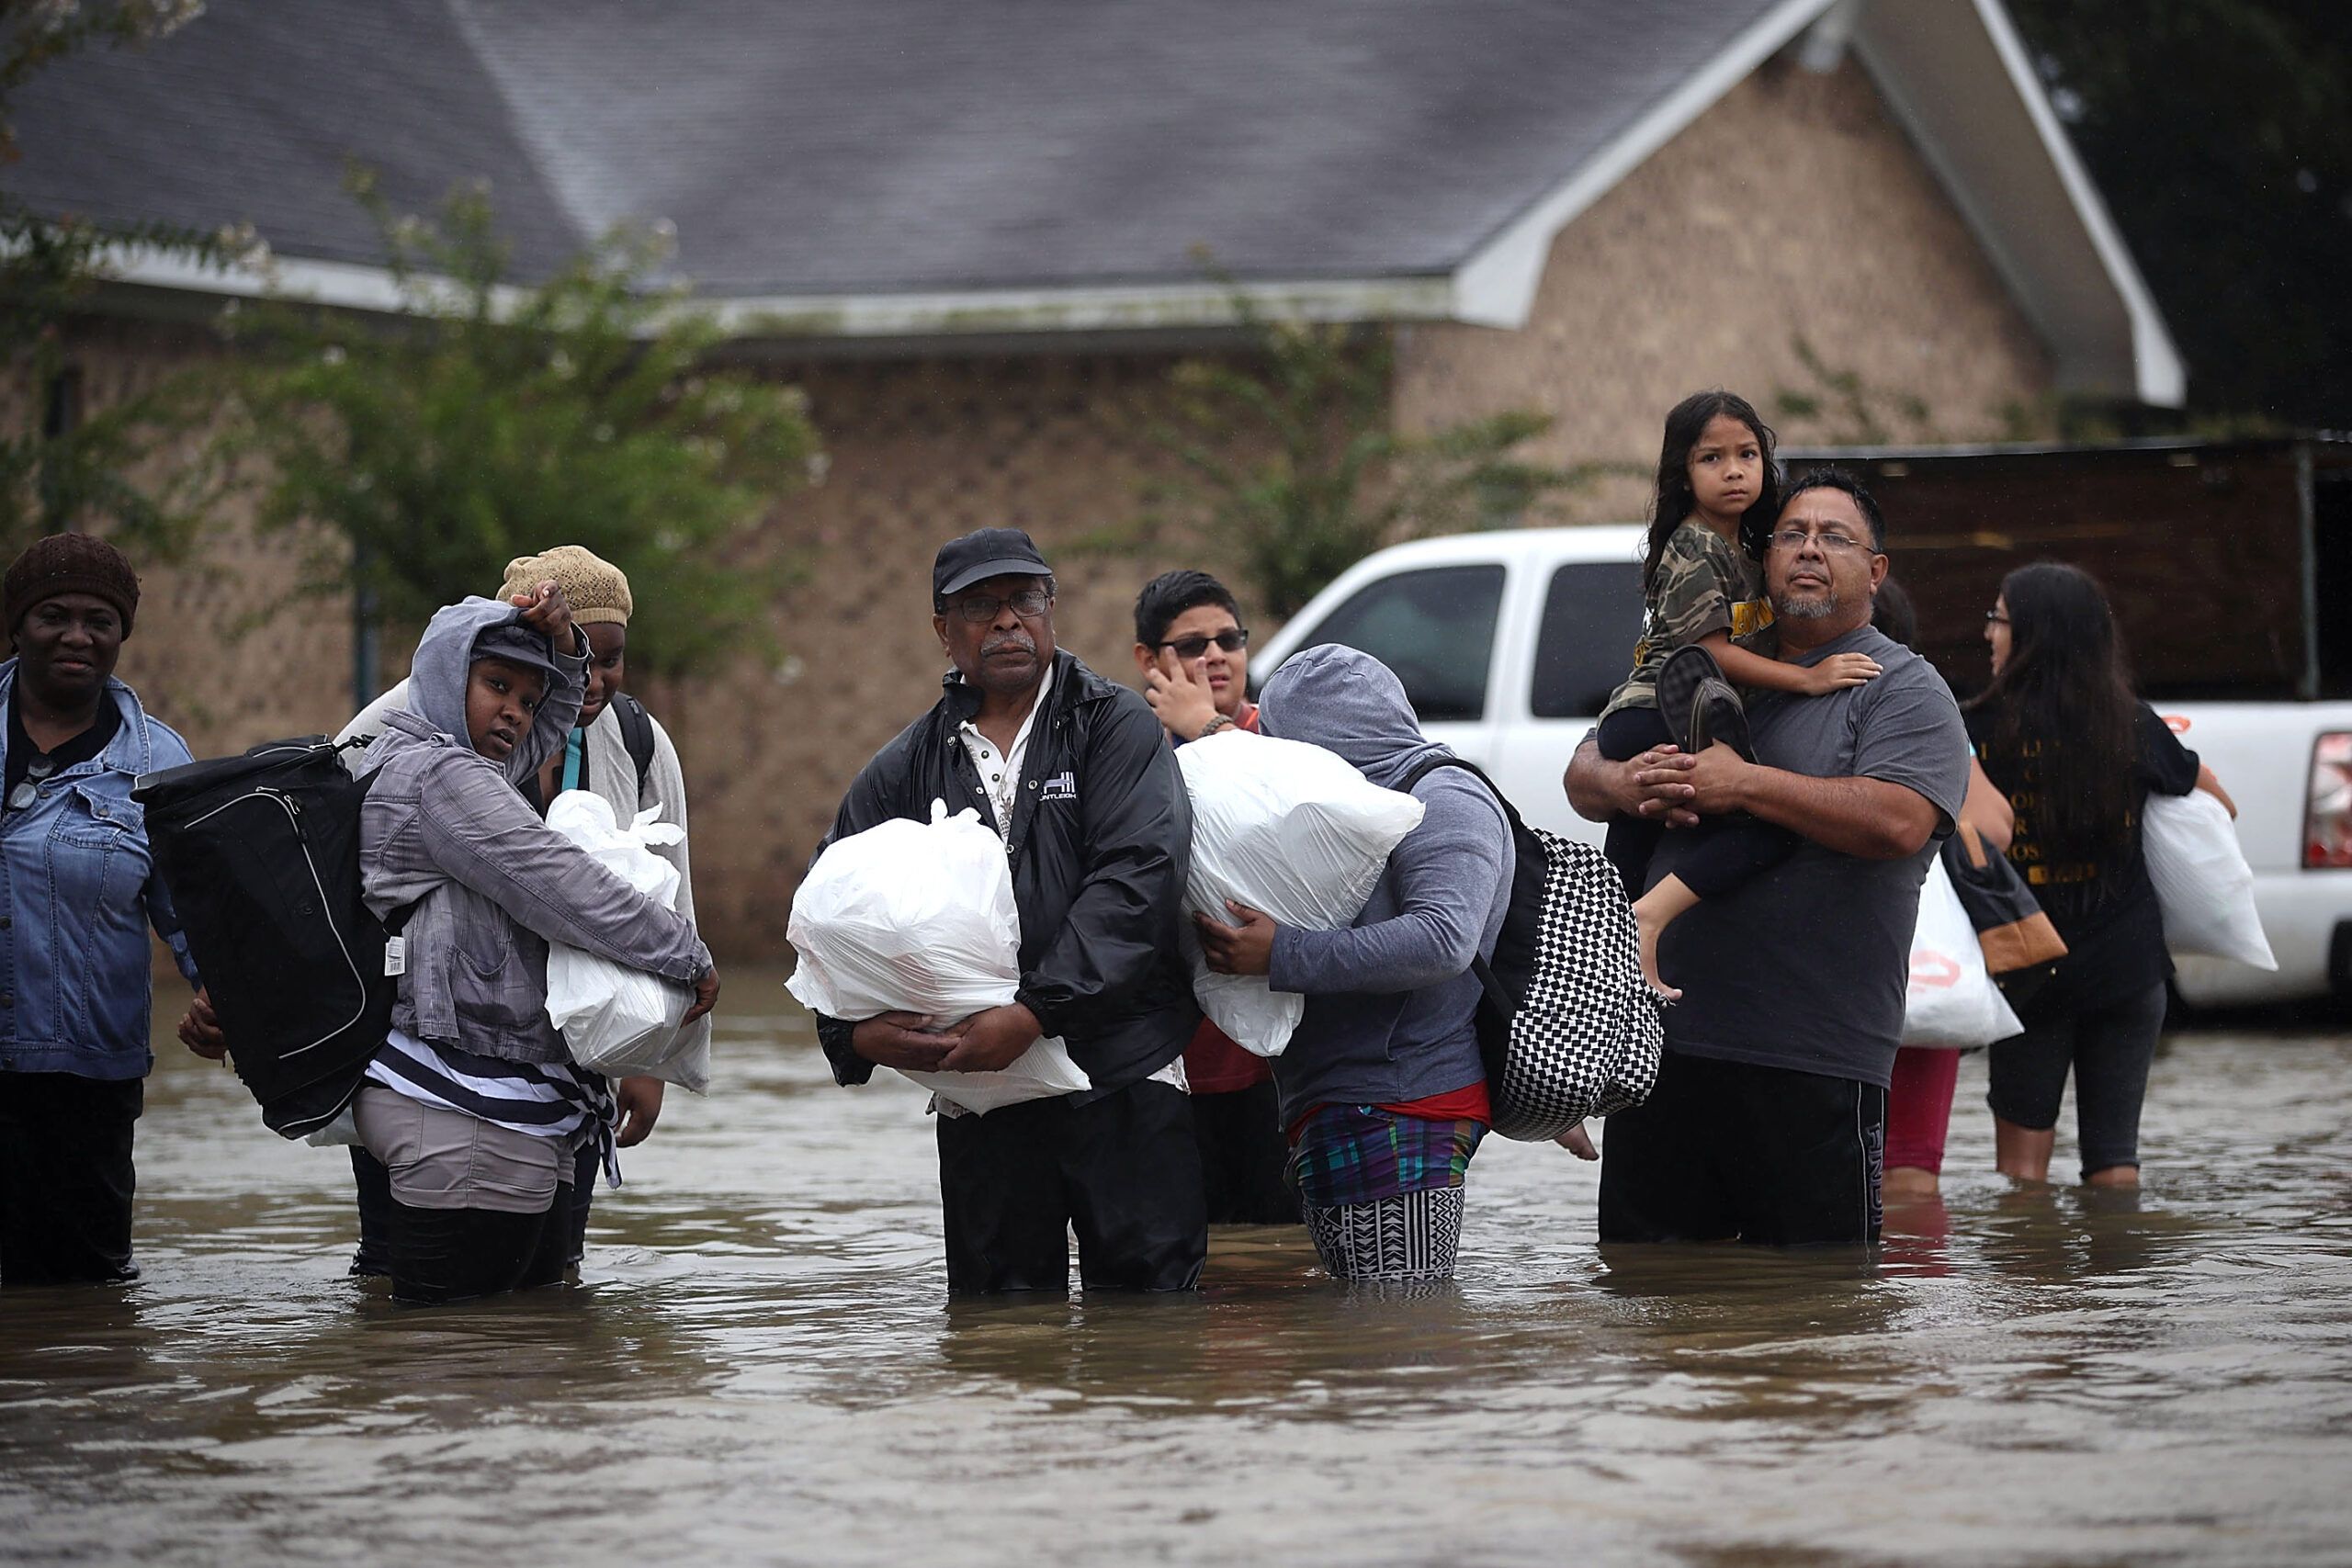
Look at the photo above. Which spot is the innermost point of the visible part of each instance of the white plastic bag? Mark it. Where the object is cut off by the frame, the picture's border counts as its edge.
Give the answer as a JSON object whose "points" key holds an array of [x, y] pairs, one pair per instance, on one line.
{"points": [[2203, 884], [619, 1020], [1288, 828], [918, 917], [1952, 1000]]}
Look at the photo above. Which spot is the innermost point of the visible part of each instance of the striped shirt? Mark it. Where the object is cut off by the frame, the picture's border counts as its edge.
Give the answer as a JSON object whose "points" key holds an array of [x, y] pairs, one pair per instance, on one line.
{"points": [[553, 1099]]}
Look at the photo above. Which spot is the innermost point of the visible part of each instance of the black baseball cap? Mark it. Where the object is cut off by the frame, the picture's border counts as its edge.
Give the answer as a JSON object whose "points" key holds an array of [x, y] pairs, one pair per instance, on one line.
{"points": [[982, 554]]}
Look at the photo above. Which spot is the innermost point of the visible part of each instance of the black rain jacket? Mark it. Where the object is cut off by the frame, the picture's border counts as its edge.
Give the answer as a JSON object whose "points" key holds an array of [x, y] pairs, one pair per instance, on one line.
{"points": [[1101, 841]]}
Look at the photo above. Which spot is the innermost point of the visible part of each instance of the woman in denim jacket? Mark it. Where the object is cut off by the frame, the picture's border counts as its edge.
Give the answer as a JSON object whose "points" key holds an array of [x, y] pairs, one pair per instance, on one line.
{"points": [[80, 892]]}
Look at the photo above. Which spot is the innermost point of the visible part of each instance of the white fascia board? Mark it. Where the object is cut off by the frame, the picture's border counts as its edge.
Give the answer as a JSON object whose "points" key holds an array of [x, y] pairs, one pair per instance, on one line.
{"points": [[945, 315], [2161, 379], [1496, 287], [1081, 310], [344, 285]]}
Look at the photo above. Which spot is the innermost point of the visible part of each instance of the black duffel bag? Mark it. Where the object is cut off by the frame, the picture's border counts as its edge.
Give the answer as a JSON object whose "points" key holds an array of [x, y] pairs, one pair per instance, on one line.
{"points": [[261, 856]]}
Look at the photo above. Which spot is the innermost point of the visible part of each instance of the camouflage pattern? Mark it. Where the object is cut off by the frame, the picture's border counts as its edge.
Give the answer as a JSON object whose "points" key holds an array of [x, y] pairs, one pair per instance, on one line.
{"points": [[1704, 584]]}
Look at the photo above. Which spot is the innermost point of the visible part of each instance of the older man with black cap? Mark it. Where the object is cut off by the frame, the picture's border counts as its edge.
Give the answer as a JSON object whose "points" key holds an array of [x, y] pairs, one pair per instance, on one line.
{"points": [[1074, 773]]}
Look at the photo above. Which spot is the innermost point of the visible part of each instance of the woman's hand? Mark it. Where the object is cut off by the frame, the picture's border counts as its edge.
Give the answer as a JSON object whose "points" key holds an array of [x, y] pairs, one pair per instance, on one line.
{"points": [[1244, 948], [200, 1029], [1838, 671], [549, 612], [1577, 1142], [706, 995], [640, 1106]]}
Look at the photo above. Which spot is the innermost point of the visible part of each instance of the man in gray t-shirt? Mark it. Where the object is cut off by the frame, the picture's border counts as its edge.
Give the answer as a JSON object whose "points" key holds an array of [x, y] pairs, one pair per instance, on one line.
{"points": [[1768, 1120]]}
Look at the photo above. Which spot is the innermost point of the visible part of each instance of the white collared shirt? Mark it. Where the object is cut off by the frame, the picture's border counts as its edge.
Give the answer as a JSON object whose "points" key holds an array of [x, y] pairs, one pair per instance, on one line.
{"points": [[1000, 774]]}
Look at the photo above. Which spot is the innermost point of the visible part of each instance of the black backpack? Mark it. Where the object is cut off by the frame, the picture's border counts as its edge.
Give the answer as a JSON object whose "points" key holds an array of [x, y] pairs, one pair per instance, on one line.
{"points": [[1568, 1027], [261, 856], [636, 734]]}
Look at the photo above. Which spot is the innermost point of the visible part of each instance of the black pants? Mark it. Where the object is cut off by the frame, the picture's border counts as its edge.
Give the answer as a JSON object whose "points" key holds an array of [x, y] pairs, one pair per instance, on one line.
{"points": [[437, 1255], [1243, 1156], [2108, 1049], [1720, 853], [1123, 1170], [373, 1261], [65, 1177], [1726, 1150]]}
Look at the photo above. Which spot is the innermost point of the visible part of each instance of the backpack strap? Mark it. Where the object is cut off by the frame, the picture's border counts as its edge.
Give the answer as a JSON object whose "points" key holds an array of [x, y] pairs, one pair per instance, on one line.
{"points": [[636, 734], [1496, 994]]}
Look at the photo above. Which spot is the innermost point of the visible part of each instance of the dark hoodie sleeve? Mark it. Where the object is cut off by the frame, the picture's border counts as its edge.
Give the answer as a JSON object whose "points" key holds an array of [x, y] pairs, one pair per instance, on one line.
{"points": [[1122, 926], [875, 796]]}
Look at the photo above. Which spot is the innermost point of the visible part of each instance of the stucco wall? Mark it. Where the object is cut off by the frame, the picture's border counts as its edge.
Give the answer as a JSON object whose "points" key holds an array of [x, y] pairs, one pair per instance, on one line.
{"points": [[1793, 209]]}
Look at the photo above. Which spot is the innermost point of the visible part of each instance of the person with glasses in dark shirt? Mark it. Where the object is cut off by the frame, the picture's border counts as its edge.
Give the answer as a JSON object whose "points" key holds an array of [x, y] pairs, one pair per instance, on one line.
{"points": [[78, 891], [1768, 1121], [1192, 655]]}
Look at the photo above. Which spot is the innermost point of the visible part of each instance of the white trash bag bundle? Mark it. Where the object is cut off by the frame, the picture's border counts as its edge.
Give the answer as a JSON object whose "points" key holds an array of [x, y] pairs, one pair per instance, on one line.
{"points": [[1288, 828], [2203, 885], [918, 917], [1952, 999], [619, 1020]]}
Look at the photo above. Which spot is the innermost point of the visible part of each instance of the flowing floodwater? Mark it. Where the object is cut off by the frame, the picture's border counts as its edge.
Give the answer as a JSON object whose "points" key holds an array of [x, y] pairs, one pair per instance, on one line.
{"points": [[764, 1367]]}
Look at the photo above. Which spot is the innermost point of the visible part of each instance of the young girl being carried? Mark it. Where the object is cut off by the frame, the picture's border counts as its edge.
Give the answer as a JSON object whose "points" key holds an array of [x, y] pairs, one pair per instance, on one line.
{"points": [[1718, 496]]}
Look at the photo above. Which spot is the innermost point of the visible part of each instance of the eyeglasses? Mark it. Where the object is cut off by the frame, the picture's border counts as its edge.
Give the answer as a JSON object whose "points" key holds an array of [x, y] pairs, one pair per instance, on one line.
{"points": [[1995, 618], [981, 608], [1232, 640], [1833, 544]]}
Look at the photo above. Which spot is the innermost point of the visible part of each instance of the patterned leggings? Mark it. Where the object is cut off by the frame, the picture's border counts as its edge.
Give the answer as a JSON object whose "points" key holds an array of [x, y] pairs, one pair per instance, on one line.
{"points": [[1411, 1236]]}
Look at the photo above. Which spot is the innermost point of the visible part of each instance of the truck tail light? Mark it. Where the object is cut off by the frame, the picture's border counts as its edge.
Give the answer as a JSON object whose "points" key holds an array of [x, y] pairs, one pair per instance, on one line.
{"points": [[2327, 804]]}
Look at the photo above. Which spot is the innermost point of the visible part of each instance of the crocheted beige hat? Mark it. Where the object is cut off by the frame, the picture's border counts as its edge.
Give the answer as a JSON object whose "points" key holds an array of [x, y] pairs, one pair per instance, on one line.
{"points": [[597, 590]]}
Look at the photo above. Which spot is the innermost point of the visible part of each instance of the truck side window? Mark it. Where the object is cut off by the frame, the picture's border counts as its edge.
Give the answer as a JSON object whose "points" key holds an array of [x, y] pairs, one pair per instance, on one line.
{"points": [[1592, 617], [1435, 628]]}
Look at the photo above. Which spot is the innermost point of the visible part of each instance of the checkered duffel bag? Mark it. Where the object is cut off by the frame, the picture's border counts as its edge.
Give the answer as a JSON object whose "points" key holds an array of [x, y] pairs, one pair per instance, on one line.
{"points": [[1568, 1027]]}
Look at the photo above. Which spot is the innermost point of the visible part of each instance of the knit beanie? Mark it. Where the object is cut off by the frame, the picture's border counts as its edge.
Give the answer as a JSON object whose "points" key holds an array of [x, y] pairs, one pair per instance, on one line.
{"points": [[596, 590], [71, 563]]}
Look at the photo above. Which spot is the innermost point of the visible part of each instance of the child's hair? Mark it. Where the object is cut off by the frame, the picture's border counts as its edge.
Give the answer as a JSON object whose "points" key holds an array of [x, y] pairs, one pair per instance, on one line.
{"points": [[1171, 593], [1684, 425]]}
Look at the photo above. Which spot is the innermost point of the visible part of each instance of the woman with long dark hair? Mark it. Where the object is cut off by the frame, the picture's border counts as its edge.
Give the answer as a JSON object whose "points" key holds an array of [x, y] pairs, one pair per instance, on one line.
{"points": [[2062, 736]]}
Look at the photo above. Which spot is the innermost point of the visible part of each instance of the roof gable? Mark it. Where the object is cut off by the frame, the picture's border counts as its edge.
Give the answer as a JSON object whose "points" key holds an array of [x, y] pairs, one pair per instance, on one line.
{"points": [[937, 166]]}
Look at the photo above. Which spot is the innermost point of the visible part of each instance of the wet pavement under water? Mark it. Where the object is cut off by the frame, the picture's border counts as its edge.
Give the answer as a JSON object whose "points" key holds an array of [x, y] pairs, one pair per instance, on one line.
{"points": [[763, 1366]]}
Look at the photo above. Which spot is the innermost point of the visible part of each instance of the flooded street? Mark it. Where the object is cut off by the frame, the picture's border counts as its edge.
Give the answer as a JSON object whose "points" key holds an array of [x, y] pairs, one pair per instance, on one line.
{"points": [[764, 1367]]}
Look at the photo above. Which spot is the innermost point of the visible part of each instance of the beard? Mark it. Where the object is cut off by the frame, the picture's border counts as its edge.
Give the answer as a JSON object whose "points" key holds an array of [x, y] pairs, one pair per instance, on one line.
{"points": [[1820, 609]]}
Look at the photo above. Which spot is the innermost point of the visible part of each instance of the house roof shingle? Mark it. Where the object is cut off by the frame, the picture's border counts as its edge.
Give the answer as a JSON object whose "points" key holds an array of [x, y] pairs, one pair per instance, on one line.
{"points": [[921, 145]]}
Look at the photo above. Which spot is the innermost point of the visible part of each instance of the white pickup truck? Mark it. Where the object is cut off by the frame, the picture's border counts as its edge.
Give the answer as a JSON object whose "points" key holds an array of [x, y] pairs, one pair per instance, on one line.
{"points": [[1508, 644]]}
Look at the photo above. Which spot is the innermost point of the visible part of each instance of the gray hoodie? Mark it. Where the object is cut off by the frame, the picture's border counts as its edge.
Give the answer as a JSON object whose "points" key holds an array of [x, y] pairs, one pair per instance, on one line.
{"points": [[1390, 1002], [445, 830]]}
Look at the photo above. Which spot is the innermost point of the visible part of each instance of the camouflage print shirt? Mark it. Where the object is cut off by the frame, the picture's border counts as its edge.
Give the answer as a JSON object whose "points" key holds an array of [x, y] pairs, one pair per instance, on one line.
{"points": [[1704, 584]]}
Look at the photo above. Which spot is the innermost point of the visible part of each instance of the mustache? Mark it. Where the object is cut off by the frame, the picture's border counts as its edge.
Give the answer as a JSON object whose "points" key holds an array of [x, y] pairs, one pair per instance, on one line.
{"points": [[999, 641]]}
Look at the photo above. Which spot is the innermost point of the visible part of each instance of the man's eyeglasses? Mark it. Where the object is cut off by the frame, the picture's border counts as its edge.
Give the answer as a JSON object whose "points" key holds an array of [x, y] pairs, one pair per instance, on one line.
{"points": [[1189, 647], [1834, 543], [981, 608]]}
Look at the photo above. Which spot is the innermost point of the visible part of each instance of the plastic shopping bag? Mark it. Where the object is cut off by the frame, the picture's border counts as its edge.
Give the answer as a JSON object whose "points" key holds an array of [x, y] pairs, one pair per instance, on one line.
{"points": [[918, 917], [1952, 1000], [619, 1020], [2203, 884], [1288, 828]]}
